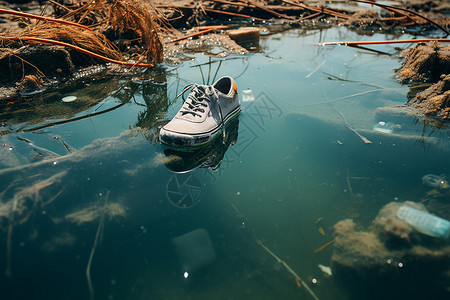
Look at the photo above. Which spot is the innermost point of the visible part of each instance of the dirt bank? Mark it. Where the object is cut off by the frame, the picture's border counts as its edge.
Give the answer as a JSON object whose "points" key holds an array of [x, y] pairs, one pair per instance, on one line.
{"points": [[428, 63], [39, 53], [435, 100]]}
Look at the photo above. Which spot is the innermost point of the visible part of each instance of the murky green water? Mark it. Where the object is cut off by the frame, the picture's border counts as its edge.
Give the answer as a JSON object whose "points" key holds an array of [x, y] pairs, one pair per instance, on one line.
{"points": [[93, 207]]}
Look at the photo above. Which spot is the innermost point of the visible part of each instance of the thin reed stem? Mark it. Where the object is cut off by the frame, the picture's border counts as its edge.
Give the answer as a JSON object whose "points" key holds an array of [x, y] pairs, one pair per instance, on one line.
{"points": [[395, 9], [31, 16], [288, 268], [91, 257], [382, 42], [279, 260], [79, 49]]}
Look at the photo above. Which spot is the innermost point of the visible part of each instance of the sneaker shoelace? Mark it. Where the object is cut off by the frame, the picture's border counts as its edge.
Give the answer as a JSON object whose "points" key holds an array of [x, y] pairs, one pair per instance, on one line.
{"points": [[195, 103]]}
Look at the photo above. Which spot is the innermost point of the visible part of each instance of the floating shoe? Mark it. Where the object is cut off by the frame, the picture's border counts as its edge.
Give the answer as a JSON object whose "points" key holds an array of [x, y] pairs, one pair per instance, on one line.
{"points": [[203, 115]]}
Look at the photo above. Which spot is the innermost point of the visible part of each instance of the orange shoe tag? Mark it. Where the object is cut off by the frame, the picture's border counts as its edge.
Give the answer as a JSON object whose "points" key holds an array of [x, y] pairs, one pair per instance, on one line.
{"points": [[235, 87]]}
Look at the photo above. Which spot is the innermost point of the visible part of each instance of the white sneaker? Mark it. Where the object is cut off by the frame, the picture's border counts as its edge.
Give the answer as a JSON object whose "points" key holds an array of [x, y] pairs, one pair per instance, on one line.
{"points": [[203, 114]]}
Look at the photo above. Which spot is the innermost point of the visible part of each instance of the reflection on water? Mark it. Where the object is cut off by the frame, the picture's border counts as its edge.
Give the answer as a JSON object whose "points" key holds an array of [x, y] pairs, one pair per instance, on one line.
{"points": [[289, 202], [210, 156], [184, 189]]}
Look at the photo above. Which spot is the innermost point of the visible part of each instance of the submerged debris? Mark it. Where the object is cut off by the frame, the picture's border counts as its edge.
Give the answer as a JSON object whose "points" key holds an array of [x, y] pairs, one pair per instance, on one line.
{"points": [[435, 181], [326, 270], [392, 255], [95, 212], [65, 239]]}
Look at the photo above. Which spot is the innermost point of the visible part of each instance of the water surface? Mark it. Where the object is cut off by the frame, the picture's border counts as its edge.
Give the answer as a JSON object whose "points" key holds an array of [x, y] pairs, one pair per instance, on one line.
{"points": [[91, 208]]}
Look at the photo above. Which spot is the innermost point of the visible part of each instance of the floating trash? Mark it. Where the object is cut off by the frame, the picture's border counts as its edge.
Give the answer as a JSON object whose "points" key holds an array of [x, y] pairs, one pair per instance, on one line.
{"points": [[435, 181], [69, 99], [247, 96], [322, 232], [424, 222], [264, 31], [384, 127], [326, 270], [31, 93], [194, 250]]}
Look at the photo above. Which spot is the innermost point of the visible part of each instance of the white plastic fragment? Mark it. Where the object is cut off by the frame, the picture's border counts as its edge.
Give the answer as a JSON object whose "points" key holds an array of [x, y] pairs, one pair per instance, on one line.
{"points": [[325, 269], [69, 99], [247, 96]]}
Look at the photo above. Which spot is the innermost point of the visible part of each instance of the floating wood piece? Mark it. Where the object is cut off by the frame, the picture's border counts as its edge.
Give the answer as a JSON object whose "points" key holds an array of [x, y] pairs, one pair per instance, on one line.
{"points": [[244, 34], [323, 247]]}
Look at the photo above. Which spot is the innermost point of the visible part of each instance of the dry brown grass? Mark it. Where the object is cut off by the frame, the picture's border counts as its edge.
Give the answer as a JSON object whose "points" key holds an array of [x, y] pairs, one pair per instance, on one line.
{"points": [[117, 18], [136, 16], [89, 40]]}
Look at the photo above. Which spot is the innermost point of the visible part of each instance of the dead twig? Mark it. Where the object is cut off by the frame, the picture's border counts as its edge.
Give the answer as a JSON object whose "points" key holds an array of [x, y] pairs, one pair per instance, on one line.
{"points": [[223, 12], [91, 256], [364, 139], [396, 9], [308, 17], [39, 72], [263, 8], [343, 98], [316, 69], [319, 9], [74, 12], [79, 49], [73, 119], [334, 77], [204, 29], [381, 42], [279, 260], [350, 186], [233, 14], [31, 16], [369, 49], [288, 268], [323, 247]]}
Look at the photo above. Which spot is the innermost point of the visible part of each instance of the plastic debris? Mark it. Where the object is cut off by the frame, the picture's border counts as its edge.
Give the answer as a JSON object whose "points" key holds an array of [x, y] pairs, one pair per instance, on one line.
{"points": [[384, 127], [434, 181], [424, 222], [69, 99], [247, 96], [326, 270]]}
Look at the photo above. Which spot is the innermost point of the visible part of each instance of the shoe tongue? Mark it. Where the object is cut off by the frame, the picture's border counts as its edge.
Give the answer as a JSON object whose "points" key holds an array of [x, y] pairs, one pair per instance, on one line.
{"points": [[206, 89]]}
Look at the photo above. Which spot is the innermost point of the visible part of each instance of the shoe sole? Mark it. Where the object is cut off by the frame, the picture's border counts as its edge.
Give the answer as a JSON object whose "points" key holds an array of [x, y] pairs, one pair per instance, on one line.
{"points": [[200, 140]]}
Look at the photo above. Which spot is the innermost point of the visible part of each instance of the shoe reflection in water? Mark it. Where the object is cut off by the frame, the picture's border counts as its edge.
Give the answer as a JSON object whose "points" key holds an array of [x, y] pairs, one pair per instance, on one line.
{"points": [[209, 156]]}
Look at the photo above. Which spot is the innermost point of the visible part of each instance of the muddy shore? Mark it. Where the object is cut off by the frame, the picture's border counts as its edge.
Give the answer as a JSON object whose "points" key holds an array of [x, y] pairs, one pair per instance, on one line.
{"points": [[158, 32]]}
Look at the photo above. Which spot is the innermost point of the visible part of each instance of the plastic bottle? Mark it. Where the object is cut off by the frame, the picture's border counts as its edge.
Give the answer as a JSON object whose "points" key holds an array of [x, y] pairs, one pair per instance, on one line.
{"points": [[424, 222], [384, 127]]}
